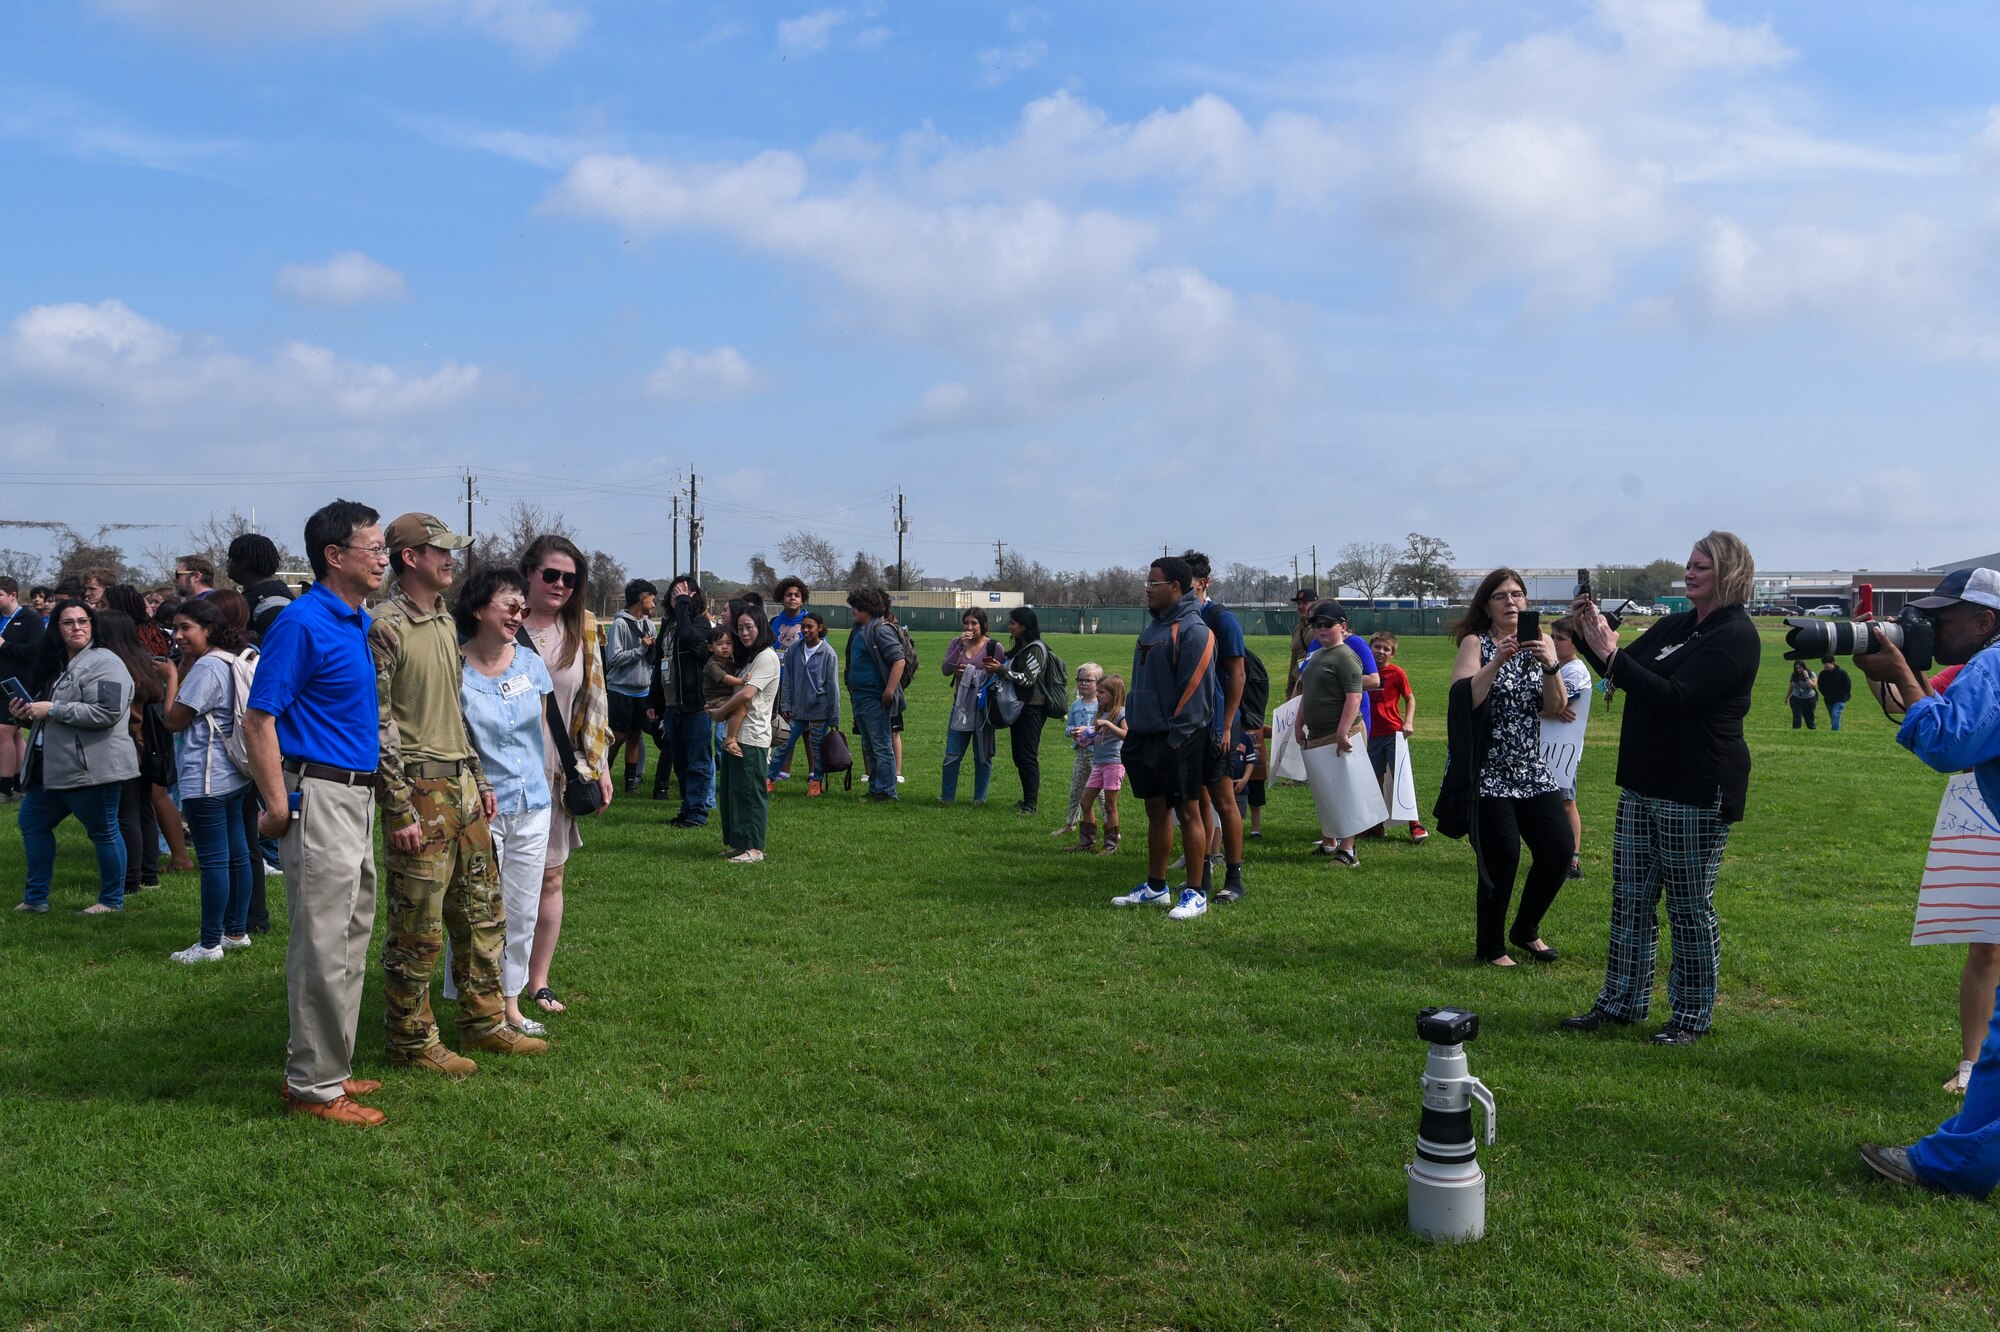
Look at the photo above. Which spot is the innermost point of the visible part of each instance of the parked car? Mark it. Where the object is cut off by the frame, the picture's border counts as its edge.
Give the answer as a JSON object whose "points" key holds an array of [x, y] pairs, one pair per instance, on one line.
{"points": [[1828, 611]]}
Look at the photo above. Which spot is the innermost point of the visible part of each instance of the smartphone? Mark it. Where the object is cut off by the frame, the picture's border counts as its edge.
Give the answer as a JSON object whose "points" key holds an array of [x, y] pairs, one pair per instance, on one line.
{"points": [[1530, 626], [1864, 600], [1582, 583], [15, 689]]}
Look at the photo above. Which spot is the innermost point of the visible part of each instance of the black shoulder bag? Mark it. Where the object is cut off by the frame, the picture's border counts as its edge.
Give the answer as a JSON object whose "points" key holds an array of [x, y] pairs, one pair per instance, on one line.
{"points": [[581, 796]]}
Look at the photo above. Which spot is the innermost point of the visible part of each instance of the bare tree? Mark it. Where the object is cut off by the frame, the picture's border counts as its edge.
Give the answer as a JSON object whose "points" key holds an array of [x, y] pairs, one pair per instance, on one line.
{"points": [[864, 571], [1365, 566], [25, 569], [607, 584], [508, 540], [762, 575], [1424, 570], [816, 558]]}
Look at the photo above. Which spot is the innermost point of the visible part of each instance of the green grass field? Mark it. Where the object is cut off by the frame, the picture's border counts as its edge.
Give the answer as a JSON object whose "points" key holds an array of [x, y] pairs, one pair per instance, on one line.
{"points": [[915, 1071]]}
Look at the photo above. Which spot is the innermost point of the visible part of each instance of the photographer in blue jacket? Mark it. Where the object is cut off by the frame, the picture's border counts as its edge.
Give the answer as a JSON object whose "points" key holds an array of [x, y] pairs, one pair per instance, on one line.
{"points": [[1953, 732]]}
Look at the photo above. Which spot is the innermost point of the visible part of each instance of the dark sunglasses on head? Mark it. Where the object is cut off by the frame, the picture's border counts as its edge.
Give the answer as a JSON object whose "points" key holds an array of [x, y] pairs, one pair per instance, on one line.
{"points": [[554, 576]]}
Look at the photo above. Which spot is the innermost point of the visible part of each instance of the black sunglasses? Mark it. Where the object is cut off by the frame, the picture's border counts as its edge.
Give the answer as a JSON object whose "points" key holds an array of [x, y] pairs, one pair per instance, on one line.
{"points": [[554, 576], [1324, 624]]}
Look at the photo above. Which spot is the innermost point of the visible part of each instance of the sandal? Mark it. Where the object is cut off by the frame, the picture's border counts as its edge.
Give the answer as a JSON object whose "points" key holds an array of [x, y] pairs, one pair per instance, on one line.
{"points": [[547, 999], [1959, 1081]]}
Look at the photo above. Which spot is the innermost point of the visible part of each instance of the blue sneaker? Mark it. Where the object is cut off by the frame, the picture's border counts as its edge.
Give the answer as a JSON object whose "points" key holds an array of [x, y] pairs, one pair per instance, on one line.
{"points": [[1192, 904], [1144, 895]]}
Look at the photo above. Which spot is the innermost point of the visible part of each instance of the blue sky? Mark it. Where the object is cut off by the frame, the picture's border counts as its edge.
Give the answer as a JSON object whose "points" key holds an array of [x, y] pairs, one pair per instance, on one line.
{"points": [[1558, 282]]}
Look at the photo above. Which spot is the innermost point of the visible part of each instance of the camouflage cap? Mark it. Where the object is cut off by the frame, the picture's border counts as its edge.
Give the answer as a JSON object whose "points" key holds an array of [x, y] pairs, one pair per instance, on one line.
{"points": [[422, 529]]}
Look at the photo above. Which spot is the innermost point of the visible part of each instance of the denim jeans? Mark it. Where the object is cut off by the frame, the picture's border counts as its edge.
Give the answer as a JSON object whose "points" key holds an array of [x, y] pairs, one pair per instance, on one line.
{"points": [[781, 757], [871, 724], [955, 745], [1833, 711], [224, 850], [691, 746], [96, 808]]}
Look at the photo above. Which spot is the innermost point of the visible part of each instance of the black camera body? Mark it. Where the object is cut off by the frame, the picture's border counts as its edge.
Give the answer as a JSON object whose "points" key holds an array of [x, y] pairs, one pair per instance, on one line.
{"points": [[1913, 630], [1447, 1026]]}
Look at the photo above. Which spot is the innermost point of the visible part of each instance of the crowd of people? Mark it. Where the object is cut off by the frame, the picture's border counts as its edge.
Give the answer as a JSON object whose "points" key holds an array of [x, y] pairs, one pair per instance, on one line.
{"points": [[482, 732]]}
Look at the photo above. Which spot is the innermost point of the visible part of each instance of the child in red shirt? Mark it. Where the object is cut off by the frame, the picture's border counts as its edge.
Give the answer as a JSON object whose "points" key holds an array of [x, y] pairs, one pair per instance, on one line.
{"points": [[1392, 710]]}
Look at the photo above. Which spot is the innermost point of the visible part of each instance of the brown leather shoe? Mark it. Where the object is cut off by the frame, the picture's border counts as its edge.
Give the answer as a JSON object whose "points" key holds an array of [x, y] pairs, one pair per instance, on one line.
{"points": [[435, 1059], [361, 1086], [503, 1039], [340, 1109]]}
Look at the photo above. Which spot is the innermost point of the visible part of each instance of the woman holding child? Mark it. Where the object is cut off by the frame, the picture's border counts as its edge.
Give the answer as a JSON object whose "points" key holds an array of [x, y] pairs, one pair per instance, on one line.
{"points": [[969, 728]]}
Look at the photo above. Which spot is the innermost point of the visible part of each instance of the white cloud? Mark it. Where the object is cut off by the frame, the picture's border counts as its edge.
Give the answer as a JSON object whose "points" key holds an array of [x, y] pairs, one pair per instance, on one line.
{"points": [[1903, 275], [689, 376], [348, 278], [1046, 308], [110, 370], [812, 32], [1001, 63], [536, 30], [72, 126]]}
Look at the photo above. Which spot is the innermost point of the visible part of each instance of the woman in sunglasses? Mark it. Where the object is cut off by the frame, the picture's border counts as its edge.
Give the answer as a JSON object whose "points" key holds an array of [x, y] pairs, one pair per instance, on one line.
{"points": [[568, 640]]}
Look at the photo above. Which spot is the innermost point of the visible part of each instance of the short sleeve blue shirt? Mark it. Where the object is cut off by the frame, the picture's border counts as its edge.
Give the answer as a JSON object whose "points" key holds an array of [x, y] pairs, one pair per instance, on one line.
{"points": [[316, 676], [1228, 632]]}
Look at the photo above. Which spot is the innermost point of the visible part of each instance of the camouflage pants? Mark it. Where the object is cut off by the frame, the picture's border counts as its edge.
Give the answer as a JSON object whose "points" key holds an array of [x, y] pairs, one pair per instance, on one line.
{"points": [[450, 883]]}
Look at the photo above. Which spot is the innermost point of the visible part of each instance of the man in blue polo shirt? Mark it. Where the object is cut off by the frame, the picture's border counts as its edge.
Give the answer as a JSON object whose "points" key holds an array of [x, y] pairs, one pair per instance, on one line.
{"points": [[311, 731]]}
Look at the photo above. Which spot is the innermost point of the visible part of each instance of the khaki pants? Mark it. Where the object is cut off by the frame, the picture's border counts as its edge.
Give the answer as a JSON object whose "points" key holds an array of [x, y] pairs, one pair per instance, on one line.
{"points": [[329, 859]]}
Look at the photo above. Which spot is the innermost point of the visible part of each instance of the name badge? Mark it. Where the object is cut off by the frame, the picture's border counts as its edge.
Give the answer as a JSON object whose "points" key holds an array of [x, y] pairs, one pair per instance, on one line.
{"points": [[515, 686]]}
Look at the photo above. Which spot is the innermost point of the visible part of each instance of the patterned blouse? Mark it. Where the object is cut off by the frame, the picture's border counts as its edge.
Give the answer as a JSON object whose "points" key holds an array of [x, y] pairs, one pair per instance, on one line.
{"points": [[1514, 767]]}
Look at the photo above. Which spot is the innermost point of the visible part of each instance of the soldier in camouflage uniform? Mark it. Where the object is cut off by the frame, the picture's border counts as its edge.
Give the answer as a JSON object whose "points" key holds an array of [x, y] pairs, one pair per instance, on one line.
{"points": [[436, 805]]}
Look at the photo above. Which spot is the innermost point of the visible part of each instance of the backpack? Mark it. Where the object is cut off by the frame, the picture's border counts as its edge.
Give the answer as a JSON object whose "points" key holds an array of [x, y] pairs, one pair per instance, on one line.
{"points": [[242, 673], [1052, 694], [1256, 690], [910, 663]]}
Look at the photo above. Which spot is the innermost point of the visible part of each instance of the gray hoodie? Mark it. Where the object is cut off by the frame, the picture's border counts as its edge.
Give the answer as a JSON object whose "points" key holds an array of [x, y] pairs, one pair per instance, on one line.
{"points": [[626, 670], [85, 739]]}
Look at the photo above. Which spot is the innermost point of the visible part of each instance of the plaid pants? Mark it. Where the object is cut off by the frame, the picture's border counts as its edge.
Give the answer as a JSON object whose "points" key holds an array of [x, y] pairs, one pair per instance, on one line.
{"points": [[1660, 844]]}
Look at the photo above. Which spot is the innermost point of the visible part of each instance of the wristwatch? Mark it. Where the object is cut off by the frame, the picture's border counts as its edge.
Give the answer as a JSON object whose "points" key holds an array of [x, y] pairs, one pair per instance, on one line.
{"points": [[1551, 670]]}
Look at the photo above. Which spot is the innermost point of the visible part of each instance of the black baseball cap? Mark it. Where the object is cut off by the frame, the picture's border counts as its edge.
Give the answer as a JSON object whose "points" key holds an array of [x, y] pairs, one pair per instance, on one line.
{"points": [[1304, 594], [1328, 610]]}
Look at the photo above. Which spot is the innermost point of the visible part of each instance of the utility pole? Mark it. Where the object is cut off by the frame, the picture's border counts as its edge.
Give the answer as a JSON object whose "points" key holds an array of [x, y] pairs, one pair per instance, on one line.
{"points": [[902, 527], [1315, 558], [1295, 573], [999, 560], [677, 531], [468, 502], [694, 528]]}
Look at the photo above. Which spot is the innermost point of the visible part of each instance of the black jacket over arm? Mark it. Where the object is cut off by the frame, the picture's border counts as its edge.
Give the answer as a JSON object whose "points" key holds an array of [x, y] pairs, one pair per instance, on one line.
{"points": [[18, 645], [1687, 688], [1466, 729]]}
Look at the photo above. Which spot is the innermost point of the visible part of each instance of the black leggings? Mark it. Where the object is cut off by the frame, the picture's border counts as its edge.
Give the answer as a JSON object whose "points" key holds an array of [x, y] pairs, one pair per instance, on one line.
{"points": [[1504, 825], [1025, 739], [1803, 710], [140, 827]]}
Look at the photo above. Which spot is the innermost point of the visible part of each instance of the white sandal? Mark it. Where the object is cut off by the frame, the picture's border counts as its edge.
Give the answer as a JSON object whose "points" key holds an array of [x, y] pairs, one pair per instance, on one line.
{"points": [[1959, 1081]]}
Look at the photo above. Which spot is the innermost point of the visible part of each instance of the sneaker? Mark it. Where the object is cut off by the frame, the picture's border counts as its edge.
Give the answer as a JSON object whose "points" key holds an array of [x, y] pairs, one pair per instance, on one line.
{"points": [[749, 857], [527, 1026], [229, 944], [1229, 892], [1144, 895], [1178, 862], [1347, 858], [1192, 904], [41, 908], [273, 871], [899, 779], [784, 776], [1891, 1163], [815, 788], [194, 953], [1257, 833], [1575, 870], [1959, 1081], [1418, 835]]}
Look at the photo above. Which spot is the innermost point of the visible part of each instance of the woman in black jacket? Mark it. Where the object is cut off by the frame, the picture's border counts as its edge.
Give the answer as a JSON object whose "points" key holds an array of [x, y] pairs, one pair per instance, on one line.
{"points": [[1685, 771], [1024, 666]]}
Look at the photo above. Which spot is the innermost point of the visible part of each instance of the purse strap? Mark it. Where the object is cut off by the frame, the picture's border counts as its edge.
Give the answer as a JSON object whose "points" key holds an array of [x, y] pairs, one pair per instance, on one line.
{"points": [[565, 747]]}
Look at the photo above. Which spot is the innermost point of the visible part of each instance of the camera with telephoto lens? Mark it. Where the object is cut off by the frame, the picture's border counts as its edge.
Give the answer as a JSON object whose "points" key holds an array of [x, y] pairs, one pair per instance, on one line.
{"points": [[1914, 631], [1447, 1026]]}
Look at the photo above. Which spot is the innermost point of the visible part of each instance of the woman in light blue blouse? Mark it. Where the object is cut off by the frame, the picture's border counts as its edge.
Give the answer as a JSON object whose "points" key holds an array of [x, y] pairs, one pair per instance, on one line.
{"points": [[504, 691]]}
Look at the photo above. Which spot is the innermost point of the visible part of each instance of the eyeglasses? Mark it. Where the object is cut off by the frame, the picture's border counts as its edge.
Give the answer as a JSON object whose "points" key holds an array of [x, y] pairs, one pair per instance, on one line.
{"points": [[554, 576], [372, 552], [74, 622], [1516, 595], [1159, 582]]}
